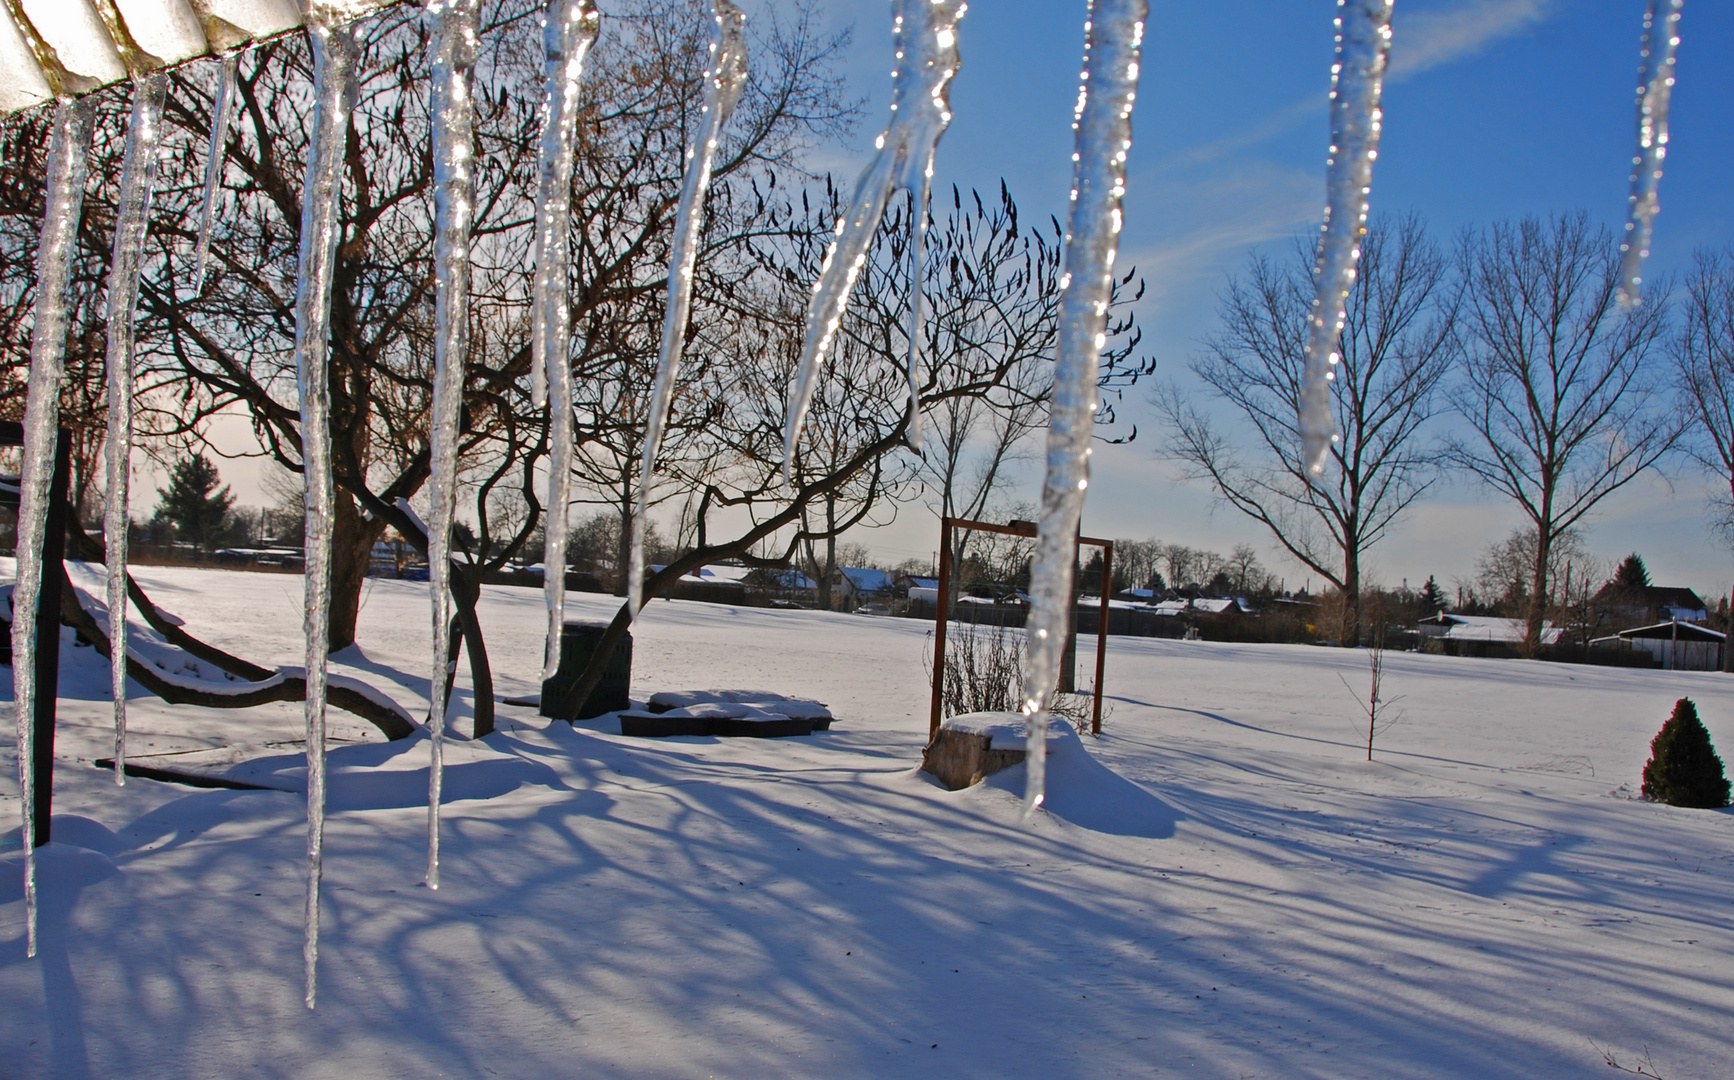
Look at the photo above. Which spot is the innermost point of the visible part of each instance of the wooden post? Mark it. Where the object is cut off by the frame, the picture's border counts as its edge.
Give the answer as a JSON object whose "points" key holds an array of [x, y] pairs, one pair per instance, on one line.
{"points": [[939, 617], [47, 627], [48, 636]]}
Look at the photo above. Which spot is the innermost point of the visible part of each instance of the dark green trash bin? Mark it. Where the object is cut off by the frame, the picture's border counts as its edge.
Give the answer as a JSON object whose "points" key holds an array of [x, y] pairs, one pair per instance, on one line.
{"points": [[578, 641]]}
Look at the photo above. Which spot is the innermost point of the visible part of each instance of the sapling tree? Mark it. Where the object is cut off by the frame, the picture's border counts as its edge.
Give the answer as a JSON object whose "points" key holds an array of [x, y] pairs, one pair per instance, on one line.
{"points": [[1380, 711]]}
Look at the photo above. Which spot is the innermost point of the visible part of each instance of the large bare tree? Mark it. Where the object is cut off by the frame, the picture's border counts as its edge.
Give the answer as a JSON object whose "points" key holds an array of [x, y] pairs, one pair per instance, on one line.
{"points": [[1398, 343], [1559, 394], [1704, 372]]}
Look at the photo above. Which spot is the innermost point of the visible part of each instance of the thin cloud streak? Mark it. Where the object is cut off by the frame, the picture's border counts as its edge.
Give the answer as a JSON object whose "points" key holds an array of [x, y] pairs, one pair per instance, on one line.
{"points": [[1432, 38], [1420, 43]]}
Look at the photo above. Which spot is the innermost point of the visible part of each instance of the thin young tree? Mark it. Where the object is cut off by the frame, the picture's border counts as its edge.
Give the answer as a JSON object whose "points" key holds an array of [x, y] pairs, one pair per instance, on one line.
{"points": [[1561, 403], [1704, 379], [1398, 343]]}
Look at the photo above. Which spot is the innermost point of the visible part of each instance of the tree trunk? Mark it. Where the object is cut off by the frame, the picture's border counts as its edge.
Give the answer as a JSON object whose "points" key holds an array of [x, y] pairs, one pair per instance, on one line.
{"points": [[623, 548], [1537, 593], [352, 540], [466, 591], [1350, 630]]}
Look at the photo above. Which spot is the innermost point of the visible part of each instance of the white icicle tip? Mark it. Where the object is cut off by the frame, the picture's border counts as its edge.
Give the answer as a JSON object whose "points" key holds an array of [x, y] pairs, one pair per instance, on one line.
{"points": [[1357, 82], [1655, 89], [568, 34], [724, 81], [924, 36], [1112, 36], [137, 179]]}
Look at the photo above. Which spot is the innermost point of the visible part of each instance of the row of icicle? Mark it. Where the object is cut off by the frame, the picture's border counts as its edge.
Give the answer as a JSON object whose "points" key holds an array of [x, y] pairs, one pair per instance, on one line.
{"points": [[926, 61]]}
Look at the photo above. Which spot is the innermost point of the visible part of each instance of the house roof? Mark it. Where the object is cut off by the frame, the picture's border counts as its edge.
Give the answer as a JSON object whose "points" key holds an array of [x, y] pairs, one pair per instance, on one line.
{"points": [[1654, 597], [1488, 628], [866, 579], [1672, 630], [919, 582], [78, 54]]}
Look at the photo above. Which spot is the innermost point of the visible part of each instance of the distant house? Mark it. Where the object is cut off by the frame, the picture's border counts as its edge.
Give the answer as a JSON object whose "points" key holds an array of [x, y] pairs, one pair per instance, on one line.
{"points": [[1675, 645], [916, 588], [1643, 605], [859, 584], [1481, 633]]}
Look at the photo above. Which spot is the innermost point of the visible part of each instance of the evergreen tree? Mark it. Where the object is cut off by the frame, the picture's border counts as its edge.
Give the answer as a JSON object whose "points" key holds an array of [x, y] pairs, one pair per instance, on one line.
{"points": [[1433, 597], [193, 504], [1683, 769], [1632, 573]]}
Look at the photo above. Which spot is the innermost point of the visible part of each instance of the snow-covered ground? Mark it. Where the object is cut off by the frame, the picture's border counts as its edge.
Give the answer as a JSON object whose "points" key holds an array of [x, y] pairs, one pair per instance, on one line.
{"points": [[1222, 888]]}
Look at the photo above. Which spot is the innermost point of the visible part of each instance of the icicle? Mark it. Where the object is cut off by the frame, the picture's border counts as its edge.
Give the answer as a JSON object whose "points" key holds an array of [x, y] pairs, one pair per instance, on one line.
{"points": [[1655, 87], [917, 304], [1357, 79], [570, 31], [1113, 35], [335, 54], [455, 24], [222, 111], [137, 178], [920, 112], [724, 79], [68, 149]]}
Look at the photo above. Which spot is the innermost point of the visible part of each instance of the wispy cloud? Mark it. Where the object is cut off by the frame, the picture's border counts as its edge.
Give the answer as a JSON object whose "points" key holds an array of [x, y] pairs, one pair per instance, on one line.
{"points": [[1429, 39], [1422, 41]]}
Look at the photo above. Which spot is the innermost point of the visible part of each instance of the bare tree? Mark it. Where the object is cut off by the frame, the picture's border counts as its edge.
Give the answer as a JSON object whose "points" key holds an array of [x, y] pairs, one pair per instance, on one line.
{"points": [[1558, 393], [1704, 373], [1398, 343]]}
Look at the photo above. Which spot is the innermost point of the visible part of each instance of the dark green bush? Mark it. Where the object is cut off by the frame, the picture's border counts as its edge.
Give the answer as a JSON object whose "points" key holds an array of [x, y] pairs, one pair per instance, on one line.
{"points": [[1683, 769]]}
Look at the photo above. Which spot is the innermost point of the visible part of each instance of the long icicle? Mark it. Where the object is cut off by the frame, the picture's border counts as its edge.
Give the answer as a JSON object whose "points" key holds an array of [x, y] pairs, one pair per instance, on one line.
{"points": [[724, 79], [335, 54], [1113, 37], [68, 150], [570, 31], [222, 112], [1655, 87], [925, 38], [138, 173], [455, 27], [1357, 82]]}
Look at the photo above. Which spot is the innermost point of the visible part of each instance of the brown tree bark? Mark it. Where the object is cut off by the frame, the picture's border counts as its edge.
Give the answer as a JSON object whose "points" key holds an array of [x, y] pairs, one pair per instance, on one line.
{"points": [[352, 538]]}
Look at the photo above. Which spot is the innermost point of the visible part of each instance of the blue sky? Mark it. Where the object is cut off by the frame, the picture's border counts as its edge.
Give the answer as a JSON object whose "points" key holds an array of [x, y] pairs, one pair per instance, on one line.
{"points": [[1495, 109]]}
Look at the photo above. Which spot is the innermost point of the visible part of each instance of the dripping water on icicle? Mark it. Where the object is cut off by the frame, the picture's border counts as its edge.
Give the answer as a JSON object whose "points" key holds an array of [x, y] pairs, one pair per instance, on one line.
{"points": [[1113, 37], [222, 113], [138, 174], [68, 151], [454, 58], [569, 32], [1655, 88], [724, 79], [925, 41], [335, 54], [1357, 81]]}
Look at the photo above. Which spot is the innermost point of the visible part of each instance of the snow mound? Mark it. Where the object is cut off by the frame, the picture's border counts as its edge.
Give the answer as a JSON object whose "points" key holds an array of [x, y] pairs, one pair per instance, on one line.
{"points": [[1081, 791], [1008, 730], [764, 701]]}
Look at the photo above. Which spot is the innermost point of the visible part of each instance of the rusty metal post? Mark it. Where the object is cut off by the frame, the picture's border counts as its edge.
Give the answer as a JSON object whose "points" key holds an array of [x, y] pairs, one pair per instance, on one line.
{"points": [[939, 618], [1102, 634]]}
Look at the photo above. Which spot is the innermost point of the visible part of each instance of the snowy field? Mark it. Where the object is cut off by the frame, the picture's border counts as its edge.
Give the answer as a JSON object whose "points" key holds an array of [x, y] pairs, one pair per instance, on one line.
{"points": [[1224, 890]]}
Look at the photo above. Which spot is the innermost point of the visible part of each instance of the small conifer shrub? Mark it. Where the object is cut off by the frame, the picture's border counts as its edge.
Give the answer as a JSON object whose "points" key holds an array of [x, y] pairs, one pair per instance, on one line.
{"points": [[1683, 769]]}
